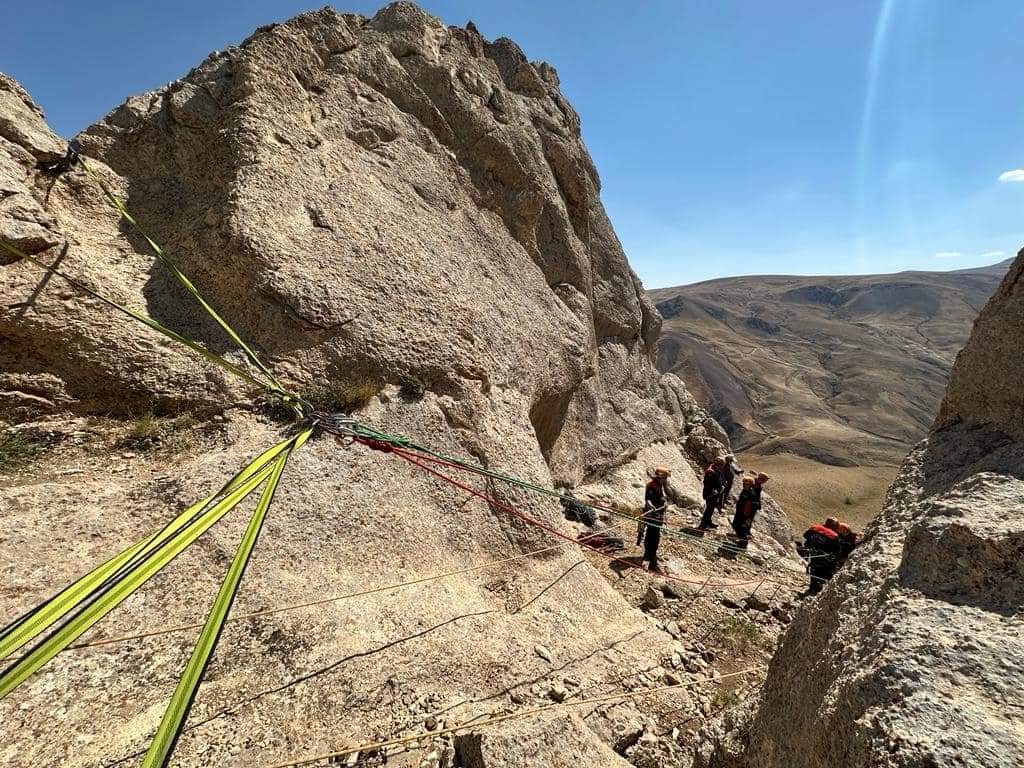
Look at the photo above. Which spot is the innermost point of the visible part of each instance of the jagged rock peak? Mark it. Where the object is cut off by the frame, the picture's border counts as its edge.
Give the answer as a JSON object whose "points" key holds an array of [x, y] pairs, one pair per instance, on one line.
{"points": [[383, 201], [22, 122]]}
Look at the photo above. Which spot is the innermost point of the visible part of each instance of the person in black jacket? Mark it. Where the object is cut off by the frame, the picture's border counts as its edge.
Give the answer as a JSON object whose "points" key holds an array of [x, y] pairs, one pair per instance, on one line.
{"points": [[822, 550], [747, 506], [729, 472], [712, 492], [648, 531]]}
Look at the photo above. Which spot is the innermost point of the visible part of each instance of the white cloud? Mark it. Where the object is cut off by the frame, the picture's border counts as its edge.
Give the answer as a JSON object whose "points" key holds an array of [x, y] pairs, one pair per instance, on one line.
{"points": [[948, 255], [992, 255], [1014, 175]]}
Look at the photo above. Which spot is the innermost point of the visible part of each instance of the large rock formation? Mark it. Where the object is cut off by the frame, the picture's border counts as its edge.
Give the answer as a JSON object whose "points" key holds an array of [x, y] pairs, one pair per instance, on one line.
{"points": [[912, 655], [382, 201], [399, 212]]}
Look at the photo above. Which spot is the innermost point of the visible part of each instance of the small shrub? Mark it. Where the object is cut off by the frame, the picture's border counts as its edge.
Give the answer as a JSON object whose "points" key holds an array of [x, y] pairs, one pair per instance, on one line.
{"points": [[168, 433], [848, 501], [342, 396], [146, 428], [724, 699], [740, 635], [18, 449]]}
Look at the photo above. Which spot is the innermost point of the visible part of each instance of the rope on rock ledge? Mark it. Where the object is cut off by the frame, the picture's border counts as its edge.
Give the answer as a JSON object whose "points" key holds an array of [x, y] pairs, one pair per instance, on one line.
{"points": [[476, 723], [421, 462], [335, 598], [379, 441]]}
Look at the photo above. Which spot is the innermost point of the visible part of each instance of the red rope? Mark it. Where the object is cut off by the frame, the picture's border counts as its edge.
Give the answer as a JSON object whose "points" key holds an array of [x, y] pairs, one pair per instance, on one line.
{"points": [[376, 445], [417, 460], [380, 445]]}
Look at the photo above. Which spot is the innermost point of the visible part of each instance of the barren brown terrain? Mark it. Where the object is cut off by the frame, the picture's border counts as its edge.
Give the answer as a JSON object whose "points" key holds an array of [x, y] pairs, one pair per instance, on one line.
{"points": [[845, 371], [823, 382], [809, 490]]}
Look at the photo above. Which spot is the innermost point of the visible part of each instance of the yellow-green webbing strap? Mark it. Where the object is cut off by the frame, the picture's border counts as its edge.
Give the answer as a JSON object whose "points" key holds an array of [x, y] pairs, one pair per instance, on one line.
{"points": [[176, 714], [116, 590], [213, 357], [20, 632], [182, 278]]}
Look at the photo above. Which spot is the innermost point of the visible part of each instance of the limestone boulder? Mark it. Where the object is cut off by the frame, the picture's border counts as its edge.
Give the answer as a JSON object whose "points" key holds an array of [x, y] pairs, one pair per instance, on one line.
{"points": [[402, 214], [517, 744], [59, 348], [395, 206]]}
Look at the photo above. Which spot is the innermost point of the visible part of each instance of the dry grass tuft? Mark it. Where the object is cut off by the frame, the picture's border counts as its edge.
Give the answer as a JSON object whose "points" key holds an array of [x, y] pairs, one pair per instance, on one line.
{"points": [[342, 396], [170, 434], [18, 449]]}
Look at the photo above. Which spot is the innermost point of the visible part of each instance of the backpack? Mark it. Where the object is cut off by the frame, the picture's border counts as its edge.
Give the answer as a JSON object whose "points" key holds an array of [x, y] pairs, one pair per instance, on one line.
{"points": [[820, 538]]}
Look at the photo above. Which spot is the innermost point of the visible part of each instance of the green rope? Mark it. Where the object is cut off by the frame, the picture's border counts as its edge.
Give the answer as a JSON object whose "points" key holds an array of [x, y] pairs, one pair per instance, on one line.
{"points": [[120, 206], [88, 600], [213, 357], [162, 746], [94, 606], [20, 632], [403, 442]]}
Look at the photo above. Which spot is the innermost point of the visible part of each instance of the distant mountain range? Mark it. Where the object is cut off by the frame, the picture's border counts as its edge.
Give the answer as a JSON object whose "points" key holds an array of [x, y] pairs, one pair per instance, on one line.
{"points": [[841, 370]]}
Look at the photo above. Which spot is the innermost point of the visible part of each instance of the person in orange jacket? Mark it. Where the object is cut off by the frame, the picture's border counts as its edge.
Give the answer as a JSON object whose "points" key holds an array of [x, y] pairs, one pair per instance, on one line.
{"points": [[747, 506], [648, 530], [821, 550], [848, 541]]}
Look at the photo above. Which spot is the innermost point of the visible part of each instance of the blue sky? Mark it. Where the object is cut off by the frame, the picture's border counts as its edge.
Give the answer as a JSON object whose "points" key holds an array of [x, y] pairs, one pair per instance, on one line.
{"points": [[732, 137]]}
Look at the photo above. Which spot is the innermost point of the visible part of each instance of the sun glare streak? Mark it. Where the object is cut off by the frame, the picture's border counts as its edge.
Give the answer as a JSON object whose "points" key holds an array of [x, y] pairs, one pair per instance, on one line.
{"points": [[875, 60]]}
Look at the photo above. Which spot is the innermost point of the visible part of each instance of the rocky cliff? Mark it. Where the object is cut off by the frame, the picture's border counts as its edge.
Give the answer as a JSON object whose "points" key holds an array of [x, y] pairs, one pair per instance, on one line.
{"points": [[911, 657], [382, 201], [401, 217]]}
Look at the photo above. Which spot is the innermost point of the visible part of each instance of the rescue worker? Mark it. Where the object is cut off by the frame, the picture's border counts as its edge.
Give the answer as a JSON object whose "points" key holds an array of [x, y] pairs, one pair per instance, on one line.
{"points": [[747, 507], [848, 541], [821, 550], [648, 531], [729, 472], [759, 482], [712, 492]]}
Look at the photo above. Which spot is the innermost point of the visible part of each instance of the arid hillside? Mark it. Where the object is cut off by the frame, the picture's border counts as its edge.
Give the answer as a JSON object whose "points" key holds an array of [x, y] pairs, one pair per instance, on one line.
{"points": [[842, 370], [813, 375]]}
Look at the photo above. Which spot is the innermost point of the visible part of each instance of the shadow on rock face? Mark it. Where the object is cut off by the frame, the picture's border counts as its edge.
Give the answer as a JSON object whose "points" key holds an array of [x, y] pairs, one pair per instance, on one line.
{"points": [[957, 452], [967, 545]]}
